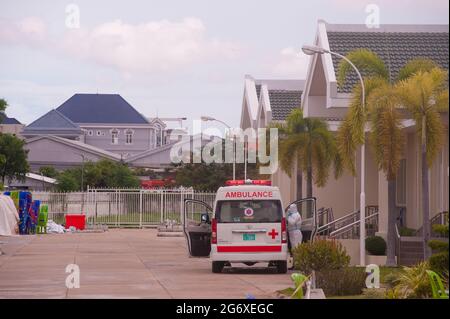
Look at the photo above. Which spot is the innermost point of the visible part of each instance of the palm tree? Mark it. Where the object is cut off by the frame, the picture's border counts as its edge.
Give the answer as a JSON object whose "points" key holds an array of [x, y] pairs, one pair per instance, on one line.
{"points": [[308, 144], [425, 96], [382, 111], [387, 141]]}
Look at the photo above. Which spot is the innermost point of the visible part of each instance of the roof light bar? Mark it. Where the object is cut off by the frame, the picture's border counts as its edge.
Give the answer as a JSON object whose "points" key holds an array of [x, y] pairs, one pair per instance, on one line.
{"points": [[237, 182]]}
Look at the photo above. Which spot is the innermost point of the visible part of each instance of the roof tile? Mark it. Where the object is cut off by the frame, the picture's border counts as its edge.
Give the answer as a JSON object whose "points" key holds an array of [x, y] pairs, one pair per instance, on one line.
{"points": [[394, 48], [282, 102], [100, 108]]}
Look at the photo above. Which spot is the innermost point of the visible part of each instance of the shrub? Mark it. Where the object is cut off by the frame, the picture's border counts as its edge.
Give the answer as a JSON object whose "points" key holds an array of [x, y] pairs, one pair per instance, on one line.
{"points": [[413, 282], [407, 232], [320, 254], [376, 245], [391, 279], [341, 282], [439, 262]]}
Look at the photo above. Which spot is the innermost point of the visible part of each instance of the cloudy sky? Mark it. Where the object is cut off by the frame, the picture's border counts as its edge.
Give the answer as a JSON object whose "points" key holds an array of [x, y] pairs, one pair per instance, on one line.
{"points": [[167, 58]]}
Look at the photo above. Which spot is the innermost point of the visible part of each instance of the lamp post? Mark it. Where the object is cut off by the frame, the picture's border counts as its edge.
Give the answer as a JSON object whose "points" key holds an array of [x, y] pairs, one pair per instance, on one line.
{"points": [[210, 119], [82, 180], [311, 50]]}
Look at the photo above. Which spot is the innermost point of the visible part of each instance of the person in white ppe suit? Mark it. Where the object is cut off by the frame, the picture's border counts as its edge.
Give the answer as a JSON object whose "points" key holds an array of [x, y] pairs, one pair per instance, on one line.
{"points": [[294, 221]]}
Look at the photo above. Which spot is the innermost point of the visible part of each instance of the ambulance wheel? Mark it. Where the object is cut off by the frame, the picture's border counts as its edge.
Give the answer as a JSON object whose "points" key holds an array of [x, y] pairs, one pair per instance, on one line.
{"points": [[282, 267], [217, 266]]}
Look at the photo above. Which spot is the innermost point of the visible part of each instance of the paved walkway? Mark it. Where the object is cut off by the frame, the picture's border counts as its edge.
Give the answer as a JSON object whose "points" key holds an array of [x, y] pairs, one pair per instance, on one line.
{"points": [[122, 263]]}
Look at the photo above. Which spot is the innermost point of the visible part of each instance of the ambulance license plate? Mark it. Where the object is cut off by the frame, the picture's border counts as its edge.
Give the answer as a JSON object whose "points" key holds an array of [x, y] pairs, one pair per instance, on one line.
{"points": [[249, 236]]}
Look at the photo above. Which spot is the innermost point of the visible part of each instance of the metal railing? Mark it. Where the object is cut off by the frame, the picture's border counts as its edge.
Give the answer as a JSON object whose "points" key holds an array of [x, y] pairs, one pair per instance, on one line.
{"points": [[324, 216], [398, 245], [121, 207], [351, 231], [347, 226], [438, 219]]}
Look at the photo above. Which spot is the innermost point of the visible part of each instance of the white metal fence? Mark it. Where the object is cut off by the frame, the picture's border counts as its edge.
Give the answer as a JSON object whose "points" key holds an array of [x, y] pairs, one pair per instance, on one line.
{"points": [[121, 207]]}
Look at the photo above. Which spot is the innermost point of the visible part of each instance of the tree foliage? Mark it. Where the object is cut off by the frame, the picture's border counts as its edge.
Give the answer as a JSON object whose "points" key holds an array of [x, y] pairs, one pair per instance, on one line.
{"points": [[422, 89], [209, 177], [48, 171], [425, 96], [13, 158], [103, 173], [308, 144], [3, 106]]}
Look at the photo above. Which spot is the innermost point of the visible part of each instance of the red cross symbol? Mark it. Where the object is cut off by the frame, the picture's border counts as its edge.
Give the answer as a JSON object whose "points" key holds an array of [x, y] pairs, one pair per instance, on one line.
{"points": [[273, 233]]}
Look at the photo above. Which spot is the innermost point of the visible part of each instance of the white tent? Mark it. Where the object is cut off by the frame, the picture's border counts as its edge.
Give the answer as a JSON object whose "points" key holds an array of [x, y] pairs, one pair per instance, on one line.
{"points": [[8, 216]]}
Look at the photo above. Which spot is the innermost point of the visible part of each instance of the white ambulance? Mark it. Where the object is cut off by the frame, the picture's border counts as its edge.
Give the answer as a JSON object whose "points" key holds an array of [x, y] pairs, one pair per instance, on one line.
{"points": [[246, 225]]}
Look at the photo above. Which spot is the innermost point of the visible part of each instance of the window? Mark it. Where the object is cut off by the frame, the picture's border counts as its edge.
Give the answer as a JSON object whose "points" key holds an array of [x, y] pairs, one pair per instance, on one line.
{"points": [[158, 135], [99, 133], [129, 136], [90, 133], [401, 184], [115, 137], [249, 211]]}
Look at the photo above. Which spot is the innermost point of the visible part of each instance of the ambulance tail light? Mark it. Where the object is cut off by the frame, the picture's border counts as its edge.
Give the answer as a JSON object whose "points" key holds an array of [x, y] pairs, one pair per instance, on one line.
{"points": [[214, 231], [283, 231]]}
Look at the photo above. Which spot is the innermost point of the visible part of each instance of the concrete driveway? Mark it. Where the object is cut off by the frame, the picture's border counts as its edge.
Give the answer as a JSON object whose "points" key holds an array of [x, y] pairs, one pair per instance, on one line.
{"points": [[122, 263]]}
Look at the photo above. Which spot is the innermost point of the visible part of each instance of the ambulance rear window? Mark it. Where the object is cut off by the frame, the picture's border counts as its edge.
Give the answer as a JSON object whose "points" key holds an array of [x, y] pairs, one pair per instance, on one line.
{"points": [[248, 211]]}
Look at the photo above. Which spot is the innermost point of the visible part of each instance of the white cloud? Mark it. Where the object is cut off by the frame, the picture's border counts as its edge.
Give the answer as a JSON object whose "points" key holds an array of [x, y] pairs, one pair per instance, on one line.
{"points": [[291, 63], [152, 46], [30, 31], [132, 48]]}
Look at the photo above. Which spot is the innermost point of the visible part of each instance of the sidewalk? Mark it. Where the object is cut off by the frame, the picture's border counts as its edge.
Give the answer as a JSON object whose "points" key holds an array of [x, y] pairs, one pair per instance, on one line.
{"points": [[122, 263]]}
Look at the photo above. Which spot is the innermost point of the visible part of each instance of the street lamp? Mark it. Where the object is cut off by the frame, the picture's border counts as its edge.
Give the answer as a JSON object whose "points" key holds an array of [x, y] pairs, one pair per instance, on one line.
{"points": [[311, 50], [210, 119], [82, 180]]}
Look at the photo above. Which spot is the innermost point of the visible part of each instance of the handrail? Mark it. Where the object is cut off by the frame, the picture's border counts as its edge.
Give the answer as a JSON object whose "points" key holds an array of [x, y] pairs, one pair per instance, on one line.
{"points": [[397, 232], [339, 219], [346, 222], [351, 225], [438, 219], [398, 244], [324, 215]]}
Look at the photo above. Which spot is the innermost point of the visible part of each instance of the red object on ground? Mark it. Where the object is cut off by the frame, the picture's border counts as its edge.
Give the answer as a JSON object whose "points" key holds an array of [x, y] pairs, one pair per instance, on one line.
{"points": [[157, 183], [76, 220]]}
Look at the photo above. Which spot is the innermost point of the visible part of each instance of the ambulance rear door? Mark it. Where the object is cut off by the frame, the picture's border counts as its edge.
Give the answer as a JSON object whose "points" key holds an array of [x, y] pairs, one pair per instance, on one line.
{"points": [[197, 227]]}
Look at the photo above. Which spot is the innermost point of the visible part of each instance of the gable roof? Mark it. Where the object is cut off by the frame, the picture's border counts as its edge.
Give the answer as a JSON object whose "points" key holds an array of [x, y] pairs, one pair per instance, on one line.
{"points": [[8, 120], [78, 145], [394, 44], [41, 178], [269, 99], [53, 122], [282, 102], [100, 109]]}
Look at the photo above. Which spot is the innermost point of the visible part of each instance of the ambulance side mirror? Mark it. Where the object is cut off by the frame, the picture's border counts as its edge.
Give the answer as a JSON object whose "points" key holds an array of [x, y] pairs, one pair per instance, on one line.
{"points": [[205, 218]]}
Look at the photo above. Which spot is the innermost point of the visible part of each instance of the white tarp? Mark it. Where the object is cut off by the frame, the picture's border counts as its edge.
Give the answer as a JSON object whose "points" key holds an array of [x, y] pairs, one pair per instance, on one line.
{"points": [[9, 217], [54, 228]]}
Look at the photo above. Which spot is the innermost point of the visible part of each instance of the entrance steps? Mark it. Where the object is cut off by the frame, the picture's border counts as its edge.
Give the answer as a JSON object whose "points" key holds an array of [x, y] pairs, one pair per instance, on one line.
{"points": [[410, 251]]}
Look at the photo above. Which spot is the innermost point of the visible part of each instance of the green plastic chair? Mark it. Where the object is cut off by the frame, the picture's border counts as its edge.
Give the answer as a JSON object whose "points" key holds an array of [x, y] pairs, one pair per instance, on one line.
{"points": [[436, 286], [299, 280], [41, 227]]}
